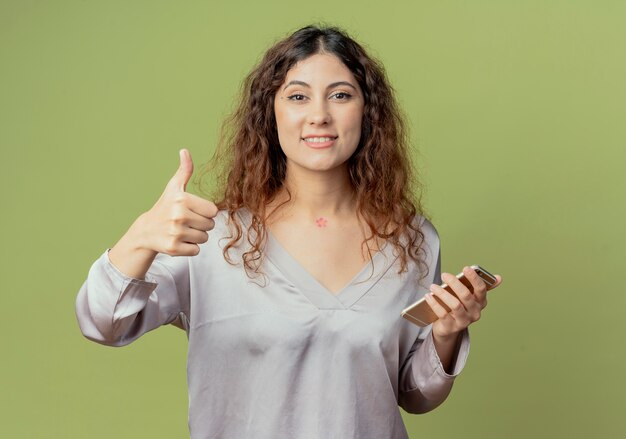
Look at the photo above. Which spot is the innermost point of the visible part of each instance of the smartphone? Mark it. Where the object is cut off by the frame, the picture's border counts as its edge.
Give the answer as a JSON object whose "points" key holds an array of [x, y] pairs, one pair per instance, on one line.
{"points": [[421, 313]]}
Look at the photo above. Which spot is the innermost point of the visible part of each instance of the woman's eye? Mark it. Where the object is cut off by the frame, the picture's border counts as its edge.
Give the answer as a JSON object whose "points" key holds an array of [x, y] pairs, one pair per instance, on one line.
{"points": [[296, 97], [342, 96]]}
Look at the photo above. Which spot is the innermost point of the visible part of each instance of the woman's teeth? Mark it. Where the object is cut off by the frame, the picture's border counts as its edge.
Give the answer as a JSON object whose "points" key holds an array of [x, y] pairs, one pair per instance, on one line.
{"points": [[319, 139]]}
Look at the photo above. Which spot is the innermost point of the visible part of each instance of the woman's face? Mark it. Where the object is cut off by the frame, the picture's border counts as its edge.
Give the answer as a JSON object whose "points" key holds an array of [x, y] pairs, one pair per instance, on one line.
{"points": [[319, 108]]}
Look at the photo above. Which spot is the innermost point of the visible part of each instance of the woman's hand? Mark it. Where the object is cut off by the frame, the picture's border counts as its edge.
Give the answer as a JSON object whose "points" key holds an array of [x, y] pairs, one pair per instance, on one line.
{"points": [[463, 311], [179, 221], [175, 225]]}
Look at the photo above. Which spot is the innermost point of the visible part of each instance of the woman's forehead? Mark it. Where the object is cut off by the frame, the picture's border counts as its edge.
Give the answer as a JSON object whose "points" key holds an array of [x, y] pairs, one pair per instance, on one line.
{"points": [[318, 64], [321, 67]]}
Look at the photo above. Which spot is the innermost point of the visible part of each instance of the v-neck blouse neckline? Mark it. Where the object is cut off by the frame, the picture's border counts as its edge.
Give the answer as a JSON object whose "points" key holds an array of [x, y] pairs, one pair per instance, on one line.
{"points": [[309, 286]]}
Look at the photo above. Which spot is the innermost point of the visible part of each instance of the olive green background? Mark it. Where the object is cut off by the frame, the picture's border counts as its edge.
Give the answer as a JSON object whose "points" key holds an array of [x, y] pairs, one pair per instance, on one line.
{"points": [[517, 112]]}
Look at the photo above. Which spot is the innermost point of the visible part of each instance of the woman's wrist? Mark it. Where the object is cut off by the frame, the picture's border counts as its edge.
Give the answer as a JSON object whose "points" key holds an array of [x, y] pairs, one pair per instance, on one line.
{"points": [[447, 339]]}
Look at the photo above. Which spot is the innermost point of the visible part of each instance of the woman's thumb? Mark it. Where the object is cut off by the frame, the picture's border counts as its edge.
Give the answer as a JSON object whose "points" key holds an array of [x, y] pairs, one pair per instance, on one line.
{"points": [[184, 171]]}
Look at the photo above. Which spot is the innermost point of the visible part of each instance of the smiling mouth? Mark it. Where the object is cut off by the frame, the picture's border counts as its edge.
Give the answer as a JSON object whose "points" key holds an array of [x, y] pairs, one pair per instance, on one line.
{"points": [[319, 139]]}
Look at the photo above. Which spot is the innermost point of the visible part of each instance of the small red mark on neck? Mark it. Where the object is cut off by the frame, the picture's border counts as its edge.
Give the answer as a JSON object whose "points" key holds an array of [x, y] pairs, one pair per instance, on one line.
{"points": [[321, 222]]}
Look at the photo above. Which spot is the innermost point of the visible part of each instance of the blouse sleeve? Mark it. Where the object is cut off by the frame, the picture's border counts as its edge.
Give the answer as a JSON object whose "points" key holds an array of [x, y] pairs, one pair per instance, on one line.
{"points": [[424, 384], [114, 309]]}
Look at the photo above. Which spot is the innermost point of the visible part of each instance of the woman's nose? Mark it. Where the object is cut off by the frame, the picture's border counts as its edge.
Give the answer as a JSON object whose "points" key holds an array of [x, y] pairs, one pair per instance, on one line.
{"points": [[319, 114]]}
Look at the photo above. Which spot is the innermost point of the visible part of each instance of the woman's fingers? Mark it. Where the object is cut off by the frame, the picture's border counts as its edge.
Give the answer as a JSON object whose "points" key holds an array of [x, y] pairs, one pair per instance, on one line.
{"points": [[497, 284], [449, 321], [457, 306], [464, 306], [460, 290], [193, 236], [178, 221], [479, 287], [434, 304], [199, 222], [453, 303], [201, 206]]}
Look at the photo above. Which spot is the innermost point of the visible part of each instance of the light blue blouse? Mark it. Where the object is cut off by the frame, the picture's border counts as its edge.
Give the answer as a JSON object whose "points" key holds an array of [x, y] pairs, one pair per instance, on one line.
{"points": [[282, 357]]}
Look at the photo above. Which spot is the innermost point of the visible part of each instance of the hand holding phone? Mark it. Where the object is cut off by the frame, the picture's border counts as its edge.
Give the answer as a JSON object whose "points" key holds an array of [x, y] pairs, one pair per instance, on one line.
{"points": [[421, 314]]}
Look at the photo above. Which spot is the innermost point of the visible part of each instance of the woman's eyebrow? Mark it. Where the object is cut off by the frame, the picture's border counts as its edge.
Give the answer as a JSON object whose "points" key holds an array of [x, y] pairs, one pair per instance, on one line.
{"points": [[334, 84]]}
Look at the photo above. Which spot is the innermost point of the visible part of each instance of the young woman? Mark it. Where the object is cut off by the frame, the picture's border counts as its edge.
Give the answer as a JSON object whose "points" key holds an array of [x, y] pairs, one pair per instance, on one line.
{"points": [[290, 287]]}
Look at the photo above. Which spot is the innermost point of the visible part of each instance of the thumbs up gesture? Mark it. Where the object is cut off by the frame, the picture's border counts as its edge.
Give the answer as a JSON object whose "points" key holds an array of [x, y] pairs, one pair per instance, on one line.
{"points": [[179, 221]]}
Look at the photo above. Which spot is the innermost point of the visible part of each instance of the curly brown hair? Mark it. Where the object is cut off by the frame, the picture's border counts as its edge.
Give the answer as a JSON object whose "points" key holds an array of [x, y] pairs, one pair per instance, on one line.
{"points": [[252, 165]]}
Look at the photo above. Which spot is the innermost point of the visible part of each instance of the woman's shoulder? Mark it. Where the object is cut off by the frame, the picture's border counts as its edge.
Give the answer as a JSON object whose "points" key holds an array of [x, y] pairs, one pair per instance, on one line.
{"points": [[430, 244], [223, 233], [223, 216], [425, 225]]}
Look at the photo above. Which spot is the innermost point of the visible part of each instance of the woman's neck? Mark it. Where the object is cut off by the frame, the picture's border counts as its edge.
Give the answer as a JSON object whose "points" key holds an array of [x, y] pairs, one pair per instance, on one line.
{"points": [[317, 194]]}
